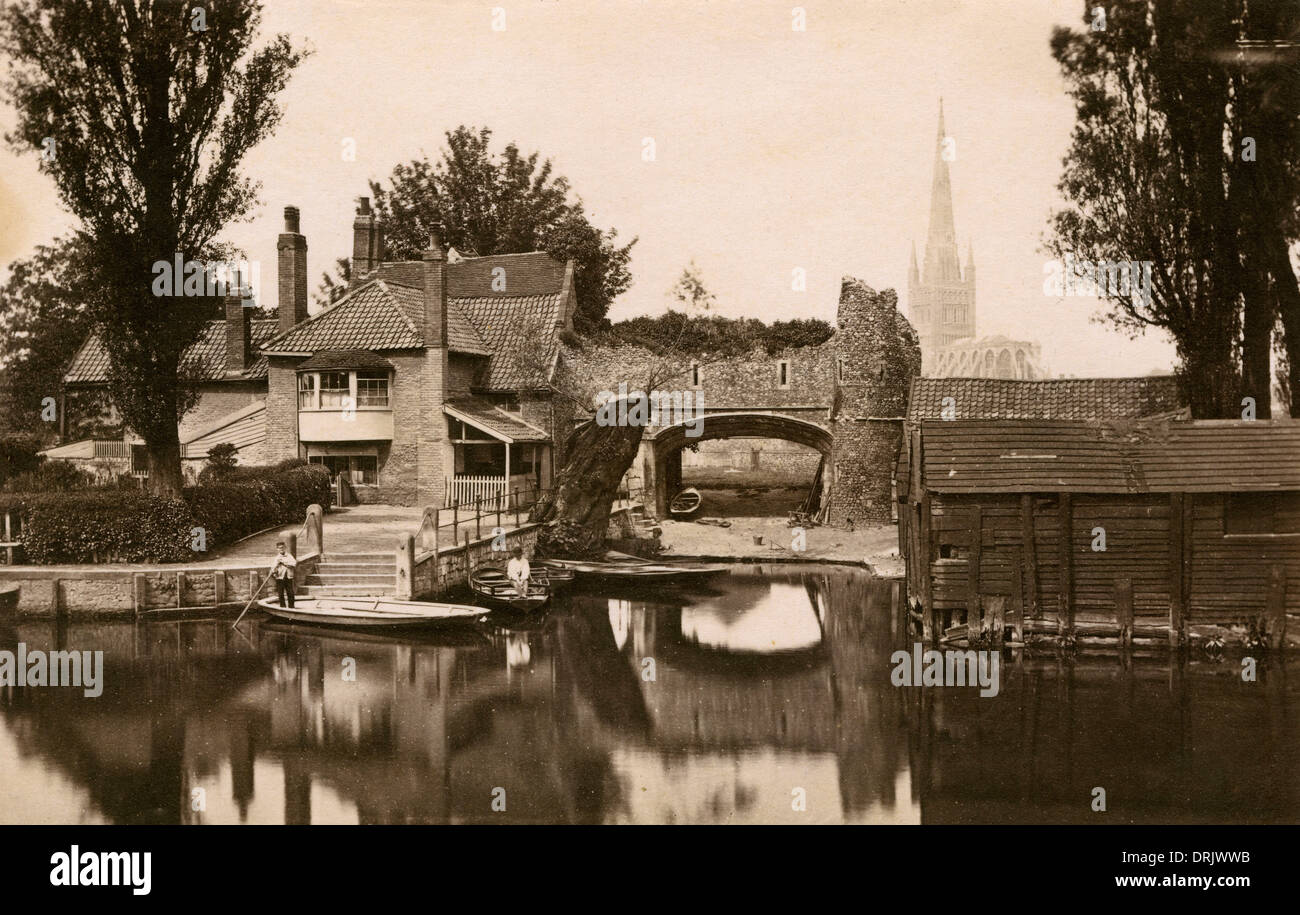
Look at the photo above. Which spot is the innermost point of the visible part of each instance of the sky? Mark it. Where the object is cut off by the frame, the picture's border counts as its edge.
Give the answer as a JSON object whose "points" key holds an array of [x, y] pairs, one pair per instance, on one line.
{"points": [[774, 149]]}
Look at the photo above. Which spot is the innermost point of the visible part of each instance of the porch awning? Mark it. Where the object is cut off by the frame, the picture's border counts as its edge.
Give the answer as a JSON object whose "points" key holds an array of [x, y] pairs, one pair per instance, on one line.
{"points": [[489, 418]]}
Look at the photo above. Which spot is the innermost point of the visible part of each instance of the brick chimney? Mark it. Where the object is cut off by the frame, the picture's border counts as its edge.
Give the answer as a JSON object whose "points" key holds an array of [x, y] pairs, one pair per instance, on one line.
{"points": [[292, 272], [238, 335], [367, 241], [435, 291]]}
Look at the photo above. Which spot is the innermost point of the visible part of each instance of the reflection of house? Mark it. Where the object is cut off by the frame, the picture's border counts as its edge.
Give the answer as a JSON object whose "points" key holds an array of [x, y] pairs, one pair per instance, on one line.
{"points": [[427, 380]]}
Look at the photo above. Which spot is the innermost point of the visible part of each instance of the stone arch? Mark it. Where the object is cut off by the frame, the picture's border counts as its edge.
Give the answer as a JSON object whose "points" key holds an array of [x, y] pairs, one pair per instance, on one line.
{"points": [[1005, 368], [661, 452]]}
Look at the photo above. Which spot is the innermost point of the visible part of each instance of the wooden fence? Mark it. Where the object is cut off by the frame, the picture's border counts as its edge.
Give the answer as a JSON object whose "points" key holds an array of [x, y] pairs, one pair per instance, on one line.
{"points": [[462, 490]]}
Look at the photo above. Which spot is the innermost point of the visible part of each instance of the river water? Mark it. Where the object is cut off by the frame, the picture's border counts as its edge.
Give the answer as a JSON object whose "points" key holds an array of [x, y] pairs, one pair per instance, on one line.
{"points": [[764, 697]]}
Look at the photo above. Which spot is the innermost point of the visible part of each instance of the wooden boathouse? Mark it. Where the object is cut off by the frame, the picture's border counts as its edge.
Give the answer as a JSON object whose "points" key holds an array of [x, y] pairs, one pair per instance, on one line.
{"points": [[1121, 527]]}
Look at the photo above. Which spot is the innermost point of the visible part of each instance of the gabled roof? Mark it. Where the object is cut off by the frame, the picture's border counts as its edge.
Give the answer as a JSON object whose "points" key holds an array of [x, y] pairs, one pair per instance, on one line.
{"points": [[488, 417], [1108, 457], [369, 317], [1063, 398], [383, 313], [207, 354]]}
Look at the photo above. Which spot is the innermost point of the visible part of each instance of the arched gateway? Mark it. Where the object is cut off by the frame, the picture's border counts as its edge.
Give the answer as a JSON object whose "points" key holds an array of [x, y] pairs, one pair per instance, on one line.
{"points": [[660, 458], [845, 398]]}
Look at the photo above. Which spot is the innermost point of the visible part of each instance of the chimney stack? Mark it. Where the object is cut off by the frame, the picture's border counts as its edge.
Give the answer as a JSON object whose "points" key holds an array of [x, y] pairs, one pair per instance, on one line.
{"points": [[435, 292], [238, 335], [292, 272], [367, 241]]}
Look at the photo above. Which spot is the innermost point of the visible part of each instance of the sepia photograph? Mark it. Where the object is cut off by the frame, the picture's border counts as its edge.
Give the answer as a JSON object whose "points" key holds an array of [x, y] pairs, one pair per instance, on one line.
{"points": [[650, 412]]}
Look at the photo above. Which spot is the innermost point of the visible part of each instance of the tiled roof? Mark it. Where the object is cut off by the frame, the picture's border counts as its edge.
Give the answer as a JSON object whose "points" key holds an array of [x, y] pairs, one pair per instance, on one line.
{"points": [[1064, 398], [385, 311], [207, 354], [486, 414], [462, 337], [531, 273], [1144, 456], [498, 319], [368, 317], [330, 359]]}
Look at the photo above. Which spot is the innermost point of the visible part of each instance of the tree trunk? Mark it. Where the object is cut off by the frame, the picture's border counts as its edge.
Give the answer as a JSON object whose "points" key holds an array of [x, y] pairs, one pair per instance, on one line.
{"points": [[1288, 306], [1257, 337], [586, 485], [165, 477]]}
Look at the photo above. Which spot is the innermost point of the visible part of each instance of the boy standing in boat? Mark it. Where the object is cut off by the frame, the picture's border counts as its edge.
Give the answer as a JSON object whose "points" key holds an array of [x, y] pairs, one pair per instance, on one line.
{"points": [[519, 571], [282, 571]]}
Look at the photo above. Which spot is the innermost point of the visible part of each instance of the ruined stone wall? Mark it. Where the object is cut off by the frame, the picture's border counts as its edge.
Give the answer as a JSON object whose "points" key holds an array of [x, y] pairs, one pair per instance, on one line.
{"points": [[879, 354]]}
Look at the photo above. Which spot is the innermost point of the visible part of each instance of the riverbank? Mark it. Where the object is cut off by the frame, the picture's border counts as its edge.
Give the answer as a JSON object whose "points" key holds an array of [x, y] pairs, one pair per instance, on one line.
{"points": [[874, 545]]}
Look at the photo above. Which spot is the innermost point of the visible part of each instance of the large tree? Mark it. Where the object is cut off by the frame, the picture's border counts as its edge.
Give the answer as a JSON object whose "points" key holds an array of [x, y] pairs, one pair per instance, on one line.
{"points": [[43, 321], [1184, 155], [141, 112], [498, 204]]}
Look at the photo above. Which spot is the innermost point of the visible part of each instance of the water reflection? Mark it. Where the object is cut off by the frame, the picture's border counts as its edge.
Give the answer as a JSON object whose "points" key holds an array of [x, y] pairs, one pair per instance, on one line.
{"points": [[724, 704]]}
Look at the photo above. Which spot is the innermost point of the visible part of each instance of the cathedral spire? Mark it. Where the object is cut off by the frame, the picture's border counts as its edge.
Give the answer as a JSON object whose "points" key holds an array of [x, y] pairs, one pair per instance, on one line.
{"points": [[941, 263]]}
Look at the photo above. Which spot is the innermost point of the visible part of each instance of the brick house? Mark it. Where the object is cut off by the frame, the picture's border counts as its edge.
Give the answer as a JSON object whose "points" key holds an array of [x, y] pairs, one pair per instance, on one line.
{"points": [[415, 382], [231, 407]]}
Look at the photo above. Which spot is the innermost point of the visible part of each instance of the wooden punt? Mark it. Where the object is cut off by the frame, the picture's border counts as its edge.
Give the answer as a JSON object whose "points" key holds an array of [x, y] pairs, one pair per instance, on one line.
{"points": [[493, 587], [633, 569], [686, 503], [372, 611]]}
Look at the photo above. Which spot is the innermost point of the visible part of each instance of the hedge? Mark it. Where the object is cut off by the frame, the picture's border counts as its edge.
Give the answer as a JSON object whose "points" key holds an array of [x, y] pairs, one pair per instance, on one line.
{"points": [[105, 526], [253, 499], [112, 525]]}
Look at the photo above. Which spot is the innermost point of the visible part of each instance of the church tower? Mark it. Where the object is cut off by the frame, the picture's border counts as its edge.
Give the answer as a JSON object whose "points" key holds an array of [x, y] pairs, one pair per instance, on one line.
{"points": [[940, 297]]}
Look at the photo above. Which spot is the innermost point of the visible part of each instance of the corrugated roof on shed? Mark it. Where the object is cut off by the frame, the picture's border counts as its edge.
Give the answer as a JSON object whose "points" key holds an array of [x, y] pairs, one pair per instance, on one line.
{"points": [[976, 456]]}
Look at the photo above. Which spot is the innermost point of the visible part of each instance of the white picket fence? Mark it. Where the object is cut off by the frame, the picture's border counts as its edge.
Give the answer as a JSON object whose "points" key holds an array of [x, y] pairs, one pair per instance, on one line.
{"points": [[463, 490]]}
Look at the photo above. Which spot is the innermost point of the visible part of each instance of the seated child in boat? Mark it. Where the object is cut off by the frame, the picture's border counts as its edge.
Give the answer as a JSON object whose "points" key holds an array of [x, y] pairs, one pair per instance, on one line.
{"points": [[282, 571], [519, 571]]}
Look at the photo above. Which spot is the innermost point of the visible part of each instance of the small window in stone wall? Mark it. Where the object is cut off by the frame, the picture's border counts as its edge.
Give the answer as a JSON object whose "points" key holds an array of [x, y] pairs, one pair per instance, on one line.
{"points": [[695, 374], [783, 374], [839, 369]]}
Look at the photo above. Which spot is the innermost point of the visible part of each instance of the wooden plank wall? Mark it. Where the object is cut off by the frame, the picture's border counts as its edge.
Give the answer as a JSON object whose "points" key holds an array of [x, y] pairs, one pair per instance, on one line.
{"points": [[1223, 579]]}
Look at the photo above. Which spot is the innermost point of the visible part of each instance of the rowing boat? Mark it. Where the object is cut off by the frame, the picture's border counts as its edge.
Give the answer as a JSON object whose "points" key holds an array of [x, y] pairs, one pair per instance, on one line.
{"points": [[371, 611], [494, 588], [685, 503]]}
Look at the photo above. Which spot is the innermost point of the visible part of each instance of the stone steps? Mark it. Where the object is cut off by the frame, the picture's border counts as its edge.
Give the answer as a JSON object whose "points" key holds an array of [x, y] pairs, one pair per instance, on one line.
{"points": [[353, 575]]}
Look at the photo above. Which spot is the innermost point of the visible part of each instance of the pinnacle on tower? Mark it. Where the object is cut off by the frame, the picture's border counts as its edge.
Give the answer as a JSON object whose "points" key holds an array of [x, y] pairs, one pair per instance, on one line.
{"points": [[968, 274], [913, 271]]}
